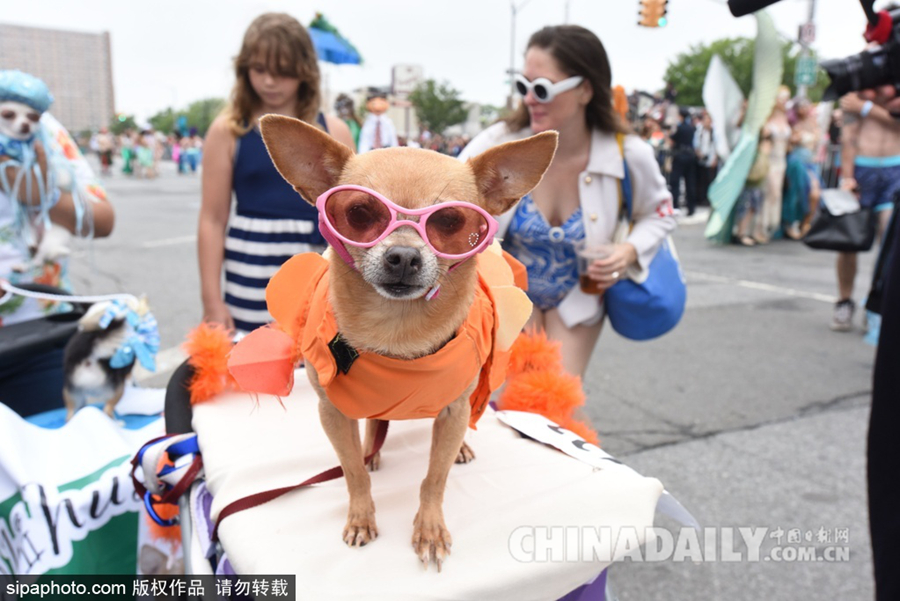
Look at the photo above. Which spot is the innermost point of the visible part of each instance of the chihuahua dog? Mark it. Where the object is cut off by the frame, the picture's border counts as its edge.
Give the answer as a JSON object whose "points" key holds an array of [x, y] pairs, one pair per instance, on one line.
{"points": [[88, 376], [100, 357], [403, 223], [19, 123], [20, 126]]}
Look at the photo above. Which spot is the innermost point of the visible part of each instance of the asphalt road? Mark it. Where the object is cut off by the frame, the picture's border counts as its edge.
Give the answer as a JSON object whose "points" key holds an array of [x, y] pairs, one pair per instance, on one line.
{"points": [[752, 412]]}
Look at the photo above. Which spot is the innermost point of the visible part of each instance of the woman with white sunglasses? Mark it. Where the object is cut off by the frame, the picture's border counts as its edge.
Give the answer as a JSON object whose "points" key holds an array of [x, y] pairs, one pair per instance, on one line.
{"points": [[565, 85]]}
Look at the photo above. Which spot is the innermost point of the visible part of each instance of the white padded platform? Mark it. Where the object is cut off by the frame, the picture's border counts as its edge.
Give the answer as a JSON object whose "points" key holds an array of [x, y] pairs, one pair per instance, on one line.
{"points": [[513, 482]]}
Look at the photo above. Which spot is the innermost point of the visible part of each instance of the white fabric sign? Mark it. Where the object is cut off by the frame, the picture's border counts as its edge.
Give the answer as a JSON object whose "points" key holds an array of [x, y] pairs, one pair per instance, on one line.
{"points": [[514, 487]]}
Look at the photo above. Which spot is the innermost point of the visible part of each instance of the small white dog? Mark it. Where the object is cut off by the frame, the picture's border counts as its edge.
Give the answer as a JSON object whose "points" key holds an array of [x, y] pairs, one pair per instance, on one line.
{"points": [[18, 121], [23, 100]]}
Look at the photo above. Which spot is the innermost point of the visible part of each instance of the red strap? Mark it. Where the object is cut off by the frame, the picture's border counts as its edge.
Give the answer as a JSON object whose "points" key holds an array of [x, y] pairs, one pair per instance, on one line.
{"points": [[170, 497], [259, 498], [882, 30], [136, 462]]}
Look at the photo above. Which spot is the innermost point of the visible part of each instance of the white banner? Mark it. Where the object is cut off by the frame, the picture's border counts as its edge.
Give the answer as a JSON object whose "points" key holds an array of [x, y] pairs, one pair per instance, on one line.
{"points": [[66, 498], [723, 99]]}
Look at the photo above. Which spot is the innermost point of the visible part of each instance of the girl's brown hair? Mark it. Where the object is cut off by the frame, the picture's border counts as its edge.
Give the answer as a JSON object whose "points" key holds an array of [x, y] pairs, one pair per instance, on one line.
{"points": [[288, 51], [577, 51]]}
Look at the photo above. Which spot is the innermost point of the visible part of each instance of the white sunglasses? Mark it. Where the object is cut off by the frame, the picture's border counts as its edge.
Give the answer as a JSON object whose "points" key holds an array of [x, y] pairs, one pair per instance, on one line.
{"points": [[543, 89]]}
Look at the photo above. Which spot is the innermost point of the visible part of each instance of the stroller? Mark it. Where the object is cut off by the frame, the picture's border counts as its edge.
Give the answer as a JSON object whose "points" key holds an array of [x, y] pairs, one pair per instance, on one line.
{"points": [[76, 470], [510, 511]]}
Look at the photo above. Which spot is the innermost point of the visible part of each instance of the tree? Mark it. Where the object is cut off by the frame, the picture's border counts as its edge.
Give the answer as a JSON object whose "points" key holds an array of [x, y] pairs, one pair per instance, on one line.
{"points": [[490, 114], [688, 70], [437, 105], [164, 121], [121, 122], [200, 114]]}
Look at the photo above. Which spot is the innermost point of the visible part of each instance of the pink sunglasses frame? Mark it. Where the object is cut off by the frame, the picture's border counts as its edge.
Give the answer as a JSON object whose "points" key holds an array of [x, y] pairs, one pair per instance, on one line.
{"points": [[419, 226]]}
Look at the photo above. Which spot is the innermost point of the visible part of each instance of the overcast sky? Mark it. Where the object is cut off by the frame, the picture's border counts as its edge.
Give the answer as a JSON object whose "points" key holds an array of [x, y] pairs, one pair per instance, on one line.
{"points": [[169, 53]]}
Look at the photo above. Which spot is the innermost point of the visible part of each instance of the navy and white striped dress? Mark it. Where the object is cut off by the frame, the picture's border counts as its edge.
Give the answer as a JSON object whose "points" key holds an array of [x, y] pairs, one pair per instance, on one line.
{"points": [[272, 223]]}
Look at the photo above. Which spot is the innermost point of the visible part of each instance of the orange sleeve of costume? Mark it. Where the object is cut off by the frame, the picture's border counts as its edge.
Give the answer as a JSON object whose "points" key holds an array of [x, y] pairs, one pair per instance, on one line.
{"points": [[290, 292], [264, 360], [520, 274]]}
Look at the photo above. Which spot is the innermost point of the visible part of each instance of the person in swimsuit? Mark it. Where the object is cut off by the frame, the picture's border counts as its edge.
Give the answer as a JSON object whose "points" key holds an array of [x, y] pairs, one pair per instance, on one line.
{"points": [[276, 72], [870, 167], [565, 84], [778, 130]]}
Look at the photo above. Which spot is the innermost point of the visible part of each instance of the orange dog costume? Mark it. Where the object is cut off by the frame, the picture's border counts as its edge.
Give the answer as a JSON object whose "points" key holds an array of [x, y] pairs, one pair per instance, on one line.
{"points": [[368, 385], [386, 388]]}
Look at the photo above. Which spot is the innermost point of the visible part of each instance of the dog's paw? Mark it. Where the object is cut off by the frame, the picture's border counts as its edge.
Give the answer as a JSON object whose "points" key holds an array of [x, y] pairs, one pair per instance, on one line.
{"points": [[431, 540], [466, 454], [375, 462], [360, 529]]}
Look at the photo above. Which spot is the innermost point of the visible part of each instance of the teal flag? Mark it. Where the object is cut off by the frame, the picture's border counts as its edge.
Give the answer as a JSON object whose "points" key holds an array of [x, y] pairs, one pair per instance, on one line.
{"points": [[767, 73]]}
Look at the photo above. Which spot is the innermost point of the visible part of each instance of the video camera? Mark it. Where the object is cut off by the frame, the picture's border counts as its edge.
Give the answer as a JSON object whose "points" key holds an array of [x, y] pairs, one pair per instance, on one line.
{"points": [[871, 68]]}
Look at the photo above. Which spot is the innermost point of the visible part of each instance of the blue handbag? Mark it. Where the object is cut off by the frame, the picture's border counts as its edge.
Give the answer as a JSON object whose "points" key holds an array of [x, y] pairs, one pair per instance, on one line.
{"points": [[648, 309]]}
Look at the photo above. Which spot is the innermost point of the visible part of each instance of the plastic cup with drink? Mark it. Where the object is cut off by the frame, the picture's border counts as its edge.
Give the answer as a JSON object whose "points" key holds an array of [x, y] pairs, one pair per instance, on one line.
{"points": [[586, 254]]}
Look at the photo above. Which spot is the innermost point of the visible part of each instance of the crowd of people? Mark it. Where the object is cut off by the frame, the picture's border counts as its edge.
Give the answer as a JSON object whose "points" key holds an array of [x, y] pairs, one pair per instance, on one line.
{"points": [[141, 151], [803, 149], [797, 159]]}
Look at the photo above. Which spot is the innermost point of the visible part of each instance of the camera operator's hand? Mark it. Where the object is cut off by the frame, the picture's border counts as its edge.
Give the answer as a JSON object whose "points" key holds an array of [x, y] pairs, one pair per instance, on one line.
{"points": [[851, 103], [885, 96]]}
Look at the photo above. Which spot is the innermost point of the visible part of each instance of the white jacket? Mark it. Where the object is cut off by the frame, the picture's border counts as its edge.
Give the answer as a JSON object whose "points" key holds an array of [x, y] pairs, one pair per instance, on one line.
{"points": [[598, 186]]}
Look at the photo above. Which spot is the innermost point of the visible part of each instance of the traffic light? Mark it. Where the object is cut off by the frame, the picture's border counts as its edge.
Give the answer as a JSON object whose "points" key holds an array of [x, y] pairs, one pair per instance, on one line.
{"points": [[653, 13]]}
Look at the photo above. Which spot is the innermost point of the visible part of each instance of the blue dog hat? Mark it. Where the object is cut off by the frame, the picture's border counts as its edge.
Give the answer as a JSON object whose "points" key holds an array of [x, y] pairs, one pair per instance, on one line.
{"points": [[27, 89]]}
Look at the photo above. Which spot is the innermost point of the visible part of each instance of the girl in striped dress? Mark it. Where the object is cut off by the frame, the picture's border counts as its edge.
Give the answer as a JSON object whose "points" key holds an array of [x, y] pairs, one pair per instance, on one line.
{"points": [[276, 72]]}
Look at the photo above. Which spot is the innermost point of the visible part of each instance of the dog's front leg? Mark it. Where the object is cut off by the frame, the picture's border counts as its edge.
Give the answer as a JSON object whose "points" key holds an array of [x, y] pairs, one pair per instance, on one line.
{"points": [[431, 539], [369, 444], [343, 433], [110, 407], [70, 402]]}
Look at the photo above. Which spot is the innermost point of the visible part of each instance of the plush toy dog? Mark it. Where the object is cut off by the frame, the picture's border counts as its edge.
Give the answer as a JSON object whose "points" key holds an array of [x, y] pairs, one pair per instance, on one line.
{"points": [[98, 359]]}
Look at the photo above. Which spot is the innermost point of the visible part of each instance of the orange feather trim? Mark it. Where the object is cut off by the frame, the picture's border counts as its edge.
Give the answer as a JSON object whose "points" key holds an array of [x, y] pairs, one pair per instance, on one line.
{"points": [[534, 351], [166, 512], [168, 533], [537, 383], [552, 394], [208, 346]]}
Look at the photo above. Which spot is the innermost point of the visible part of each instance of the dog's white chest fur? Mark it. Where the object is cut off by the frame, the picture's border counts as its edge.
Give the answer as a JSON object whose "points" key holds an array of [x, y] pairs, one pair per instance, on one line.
{"points": [[88, 374]]}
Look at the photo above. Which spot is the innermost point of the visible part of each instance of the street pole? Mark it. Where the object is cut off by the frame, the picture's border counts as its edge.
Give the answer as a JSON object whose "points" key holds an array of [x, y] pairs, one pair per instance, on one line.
{"points": [[512, 57], [802, 88], [512, 52]]}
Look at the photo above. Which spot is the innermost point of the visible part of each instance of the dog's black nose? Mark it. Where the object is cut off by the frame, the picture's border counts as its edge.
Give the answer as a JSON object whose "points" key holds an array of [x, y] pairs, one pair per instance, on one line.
{"points": [[402, 261]]}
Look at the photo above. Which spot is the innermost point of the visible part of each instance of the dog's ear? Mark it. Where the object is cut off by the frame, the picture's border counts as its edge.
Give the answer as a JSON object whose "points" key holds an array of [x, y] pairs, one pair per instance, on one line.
{"points": [[308, 158], [508, 172]]}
